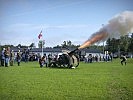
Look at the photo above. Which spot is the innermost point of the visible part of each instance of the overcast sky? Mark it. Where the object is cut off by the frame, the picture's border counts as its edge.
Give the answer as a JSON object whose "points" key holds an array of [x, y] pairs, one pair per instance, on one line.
{"points": [[60, 20]]}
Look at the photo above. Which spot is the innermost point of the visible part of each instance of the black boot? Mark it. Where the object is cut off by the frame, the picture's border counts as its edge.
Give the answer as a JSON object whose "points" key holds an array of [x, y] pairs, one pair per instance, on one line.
{"points": [[18, 63]]}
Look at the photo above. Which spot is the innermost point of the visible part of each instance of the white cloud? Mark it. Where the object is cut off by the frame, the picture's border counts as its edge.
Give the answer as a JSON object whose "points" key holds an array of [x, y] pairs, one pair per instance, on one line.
{"points": [[53, 34]]}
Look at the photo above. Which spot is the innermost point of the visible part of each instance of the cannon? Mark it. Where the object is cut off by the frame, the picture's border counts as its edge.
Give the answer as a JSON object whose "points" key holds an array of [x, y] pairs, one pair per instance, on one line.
{"points": [[68, 59]]}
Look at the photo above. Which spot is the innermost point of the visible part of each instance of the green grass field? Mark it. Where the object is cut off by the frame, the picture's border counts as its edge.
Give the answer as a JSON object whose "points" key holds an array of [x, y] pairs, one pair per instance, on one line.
{"points": [[96, 81]]}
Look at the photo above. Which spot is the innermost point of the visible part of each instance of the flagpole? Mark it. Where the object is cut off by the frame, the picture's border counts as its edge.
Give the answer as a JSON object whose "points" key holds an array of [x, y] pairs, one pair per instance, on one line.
{"points": [[42, 44], [103, 41], [42, 47], [41, 37]]}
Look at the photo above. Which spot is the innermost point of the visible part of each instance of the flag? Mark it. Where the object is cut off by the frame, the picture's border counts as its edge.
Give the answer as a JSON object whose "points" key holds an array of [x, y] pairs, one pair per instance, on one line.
{"points": [[40, 35]]}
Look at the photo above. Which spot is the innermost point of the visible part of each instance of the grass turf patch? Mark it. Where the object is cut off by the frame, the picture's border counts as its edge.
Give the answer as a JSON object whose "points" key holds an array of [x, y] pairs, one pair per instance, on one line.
{"points": [[95, 81]]}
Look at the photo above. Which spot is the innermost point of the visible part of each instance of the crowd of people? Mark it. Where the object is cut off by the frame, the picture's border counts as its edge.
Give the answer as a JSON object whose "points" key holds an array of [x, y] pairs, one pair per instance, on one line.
{"points": [[46, 59], [97, 58], [8, 57]]}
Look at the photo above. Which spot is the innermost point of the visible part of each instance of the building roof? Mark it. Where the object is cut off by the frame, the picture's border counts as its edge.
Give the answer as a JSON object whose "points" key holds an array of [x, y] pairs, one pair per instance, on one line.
{"points": [[87, 50], [92, 50]]}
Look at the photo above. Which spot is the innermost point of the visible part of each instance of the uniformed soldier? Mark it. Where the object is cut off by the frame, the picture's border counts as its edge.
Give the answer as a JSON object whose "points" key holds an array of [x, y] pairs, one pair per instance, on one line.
{"points": [[124, 59]]}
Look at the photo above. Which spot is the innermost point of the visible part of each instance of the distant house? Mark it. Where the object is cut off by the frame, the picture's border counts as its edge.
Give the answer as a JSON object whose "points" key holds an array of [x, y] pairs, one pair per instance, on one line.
{"points": [[39, 50], [92, 51], [46, 50], [84, 52]]}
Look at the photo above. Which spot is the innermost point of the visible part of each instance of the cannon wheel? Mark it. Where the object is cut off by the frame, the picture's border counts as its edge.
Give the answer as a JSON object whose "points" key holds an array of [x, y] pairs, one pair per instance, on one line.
{"points": [[52, 64], [73, 61], [67, 63], [76, 65]]}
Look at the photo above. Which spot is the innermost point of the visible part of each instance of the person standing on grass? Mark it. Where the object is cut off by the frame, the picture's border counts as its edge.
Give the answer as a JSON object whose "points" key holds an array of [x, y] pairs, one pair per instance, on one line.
{"points": [[12, 58], [7, 56], [124, 59], [3, 57], [18, 58]]}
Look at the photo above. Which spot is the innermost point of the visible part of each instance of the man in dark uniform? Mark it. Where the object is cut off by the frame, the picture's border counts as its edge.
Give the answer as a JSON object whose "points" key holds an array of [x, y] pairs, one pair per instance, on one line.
{"points": [[7, 56], [43, 61], [18, 58], [124, 59], [3, 57]]}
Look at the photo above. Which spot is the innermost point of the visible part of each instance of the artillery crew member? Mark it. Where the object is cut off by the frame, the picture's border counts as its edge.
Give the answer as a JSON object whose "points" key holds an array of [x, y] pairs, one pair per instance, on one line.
{"points": [[124, 59], [43, 61]]}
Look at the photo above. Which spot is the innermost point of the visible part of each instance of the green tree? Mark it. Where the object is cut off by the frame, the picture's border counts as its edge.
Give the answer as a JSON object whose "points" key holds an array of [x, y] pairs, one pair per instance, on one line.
{"points": [[112, 45], [32, 45], [41, 44], [19, 46], [130, 47], [64, 44], [124, 43], [69, 43]]}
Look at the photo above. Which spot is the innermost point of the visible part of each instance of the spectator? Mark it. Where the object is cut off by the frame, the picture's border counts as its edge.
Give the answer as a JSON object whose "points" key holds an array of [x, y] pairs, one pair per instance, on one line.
{"points": [[96, 58], [7, 57], [12, 58], [18, 58], [3, 57]]}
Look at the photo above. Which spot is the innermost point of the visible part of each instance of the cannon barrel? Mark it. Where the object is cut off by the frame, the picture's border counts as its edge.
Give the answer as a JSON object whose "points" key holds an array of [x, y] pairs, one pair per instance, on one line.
{"points": [[72, 52]]}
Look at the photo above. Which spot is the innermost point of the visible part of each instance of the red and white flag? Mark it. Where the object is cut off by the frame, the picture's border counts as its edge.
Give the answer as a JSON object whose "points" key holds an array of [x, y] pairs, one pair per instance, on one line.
{"points": [[40, 35]]}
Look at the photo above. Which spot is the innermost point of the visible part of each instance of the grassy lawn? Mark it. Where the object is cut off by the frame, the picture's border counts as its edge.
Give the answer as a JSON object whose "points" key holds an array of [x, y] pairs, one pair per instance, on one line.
{"points": [[96, 81]]}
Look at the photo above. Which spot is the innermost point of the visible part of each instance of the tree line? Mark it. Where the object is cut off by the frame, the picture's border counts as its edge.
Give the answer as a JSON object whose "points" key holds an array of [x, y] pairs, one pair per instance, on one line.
{"points": [[124, 44]]}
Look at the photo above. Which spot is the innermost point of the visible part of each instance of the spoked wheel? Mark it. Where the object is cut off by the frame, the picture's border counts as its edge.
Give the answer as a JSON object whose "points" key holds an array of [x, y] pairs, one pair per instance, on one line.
{"points": [[64, 61], [76, 63], [52, 64]]}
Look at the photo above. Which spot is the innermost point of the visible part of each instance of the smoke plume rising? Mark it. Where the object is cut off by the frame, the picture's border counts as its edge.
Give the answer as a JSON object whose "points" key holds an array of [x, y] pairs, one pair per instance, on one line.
{"points": [[119, 25]]}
